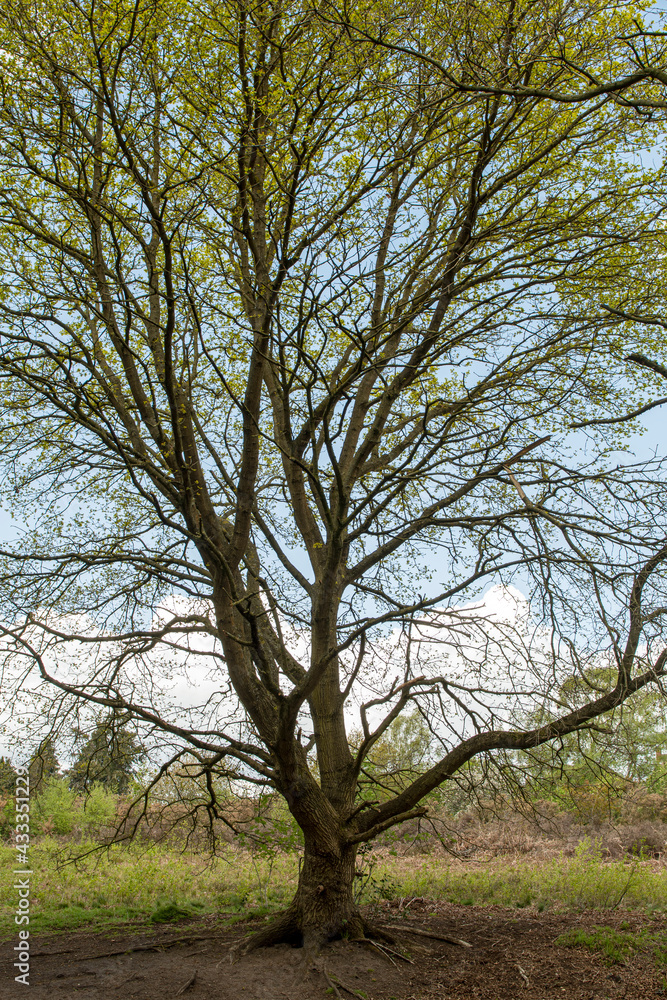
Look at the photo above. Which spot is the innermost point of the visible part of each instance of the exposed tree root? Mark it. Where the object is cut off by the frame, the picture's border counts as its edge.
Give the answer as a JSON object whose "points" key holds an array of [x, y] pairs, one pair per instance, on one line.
{"points": [[380, 933], [332, 984], [287, 928], [385, 950], [382, 948], [335, 982], [432, 934], [158, 945]]}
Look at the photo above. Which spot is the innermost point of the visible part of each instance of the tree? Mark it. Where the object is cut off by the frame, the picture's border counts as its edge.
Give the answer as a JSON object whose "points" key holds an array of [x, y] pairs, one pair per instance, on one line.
{"points": [[44, 765], [109, 756], [7, 777], [300, 307], [398, 757], [629, 742]]}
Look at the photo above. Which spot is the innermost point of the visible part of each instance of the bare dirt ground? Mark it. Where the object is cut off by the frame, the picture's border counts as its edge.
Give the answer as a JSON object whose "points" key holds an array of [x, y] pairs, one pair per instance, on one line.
{"points": [[513, 957]]}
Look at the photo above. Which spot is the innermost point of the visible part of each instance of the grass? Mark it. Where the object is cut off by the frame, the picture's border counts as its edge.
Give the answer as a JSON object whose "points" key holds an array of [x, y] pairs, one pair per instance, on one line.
{"points": [[617, 946], [143, 885], [581, 882], [140, 884]]}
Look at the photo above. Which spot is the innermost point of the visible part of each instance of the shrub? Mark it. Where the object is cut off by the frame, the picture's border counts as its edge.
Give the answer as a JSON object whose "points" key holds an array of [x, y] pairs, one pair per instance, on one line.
{"points": [[55, 809]]}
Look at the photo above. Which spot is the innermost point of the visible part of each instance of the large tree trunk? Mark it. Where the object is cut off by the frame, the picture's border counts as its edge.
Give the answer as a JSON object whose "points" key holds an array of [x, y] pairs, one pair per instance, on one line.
{"points": [[325, 896], [323, 907]]}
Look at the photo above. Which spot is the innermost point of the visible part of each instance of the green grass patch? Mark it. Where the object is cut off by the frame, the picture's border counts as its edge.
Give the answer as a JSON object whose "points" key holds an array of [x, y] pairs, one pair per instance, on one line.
{"points": [[617, 946], [142, 884], [582, 882], [169, 913]]}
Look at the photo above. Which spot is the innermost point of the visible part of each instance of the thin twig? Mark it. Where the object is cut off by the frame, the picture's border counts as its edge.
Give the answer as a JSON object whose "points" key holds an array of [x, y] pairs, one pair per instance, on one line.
{"points": [[385, 947], [186, 986], [379, 948], [348, 989], [398, 953]]}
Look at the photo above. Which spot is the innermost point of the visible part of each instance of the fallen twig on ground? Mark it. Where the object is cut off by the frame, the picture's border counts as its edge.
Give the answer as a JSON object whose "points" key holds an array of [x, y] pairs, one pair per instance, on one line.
{"points": [[347, 989], [391, 951], [379, 948], [523, 975], [186, 986]]}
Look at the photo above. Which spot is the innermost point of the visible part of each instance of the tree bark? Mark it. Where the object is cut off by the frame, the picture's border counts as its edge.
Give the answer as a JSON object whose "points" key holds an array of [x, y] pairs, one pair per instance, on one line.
{"points": [[325, 895], [323, 907]]}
